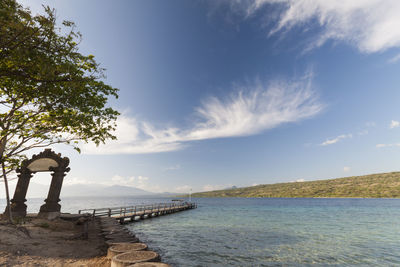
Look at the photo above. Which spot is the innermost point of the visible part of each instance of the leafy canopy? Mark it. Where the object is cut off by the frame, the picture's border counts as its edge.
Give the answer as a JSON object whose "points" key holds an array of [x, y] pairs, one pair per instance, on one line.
{"points": [[49, 92]]}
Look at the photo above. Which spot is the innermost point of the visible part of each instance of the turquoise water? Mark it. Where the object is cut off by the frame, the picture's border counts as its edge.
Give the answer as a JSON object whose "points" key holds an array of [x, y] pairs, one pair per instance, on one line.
{"points": [[267, 232], [278, 232]]}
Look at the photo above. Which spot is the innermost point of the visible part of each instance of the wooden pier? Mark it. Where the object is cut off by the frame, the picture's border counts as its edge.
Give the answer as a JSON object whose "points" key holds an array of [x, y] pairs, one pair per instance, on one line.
{"points": [[131, 213]]}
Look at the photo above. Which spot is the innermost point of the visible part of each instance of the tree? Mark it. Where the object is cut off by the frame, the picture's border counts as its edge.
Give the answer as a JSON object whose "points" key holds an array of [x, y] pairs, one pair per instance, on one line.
{"points": [[49, 92]]}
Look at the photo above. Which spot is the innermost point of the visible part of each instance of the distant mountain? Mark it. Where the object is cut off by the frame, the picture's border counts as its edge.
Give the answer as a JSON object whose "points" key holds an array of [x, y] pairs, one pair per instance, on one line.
{"points": [[36, 190], [381, 185], [100, 190]]}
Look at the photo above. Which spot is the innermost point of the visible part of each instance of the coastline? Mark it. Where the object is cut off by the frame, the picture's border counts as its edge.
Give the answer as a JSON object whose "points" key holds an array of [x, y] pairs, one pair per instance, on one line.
{"points": [[300, 197], [379, 185]]}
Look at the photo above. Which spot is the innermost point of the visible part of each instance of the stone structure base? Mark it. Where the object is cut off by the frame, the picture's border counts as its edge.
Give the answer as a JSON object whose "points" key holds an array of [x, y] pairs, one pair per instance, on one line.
{"points": [[49, 215], [15, 214]]}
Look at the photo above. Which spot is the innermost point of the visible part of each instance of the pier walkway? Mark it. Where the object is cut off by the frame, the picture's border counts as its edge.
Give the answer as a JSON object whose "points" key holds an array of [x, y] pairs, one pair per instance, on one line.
{"points": [[131, 213]]}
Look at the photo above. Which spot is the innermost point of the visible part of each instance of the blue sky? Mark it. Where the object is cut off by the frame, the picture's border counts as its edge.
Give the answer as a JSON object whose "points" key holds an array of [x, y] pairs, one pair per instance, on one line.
{"points": [[222, 93]]}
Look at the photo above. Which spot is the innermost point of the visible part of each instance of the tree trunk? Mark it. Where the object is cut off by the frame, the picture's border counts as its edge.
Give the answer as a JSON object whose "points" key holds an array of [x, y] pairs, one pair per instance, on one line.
{"points": [[7, 192]]}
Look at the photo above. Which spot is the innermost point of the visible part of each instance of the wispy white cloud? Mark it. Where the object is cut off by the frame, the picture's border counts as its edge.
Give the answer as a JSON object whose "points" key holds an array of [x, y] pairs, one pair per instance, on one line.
{"points": [[346, 169], [387, 145], [336, 139], [252, 111], [369, 25], [135, 137], [394, 124], [248, 111]]}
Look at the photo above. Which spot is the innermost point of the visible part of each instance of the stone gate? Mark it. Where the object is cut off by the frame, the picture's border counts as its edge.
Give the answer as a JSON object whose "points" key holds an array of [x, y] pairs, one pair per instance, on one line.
{"points": [[46, 161]]}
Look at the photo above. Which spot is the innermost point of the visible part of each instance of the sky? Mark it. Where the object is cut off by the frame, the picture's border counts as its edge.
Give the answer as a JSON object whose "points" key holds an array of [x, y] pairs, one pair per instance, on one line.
{"points": [[215, 94]]}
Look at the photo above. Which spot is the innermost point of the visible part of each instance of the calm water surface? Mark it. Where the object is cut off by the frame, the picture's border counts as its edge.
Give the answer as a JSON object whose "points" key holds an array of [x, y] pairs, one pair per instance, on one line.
{"points": [[268, 232]]}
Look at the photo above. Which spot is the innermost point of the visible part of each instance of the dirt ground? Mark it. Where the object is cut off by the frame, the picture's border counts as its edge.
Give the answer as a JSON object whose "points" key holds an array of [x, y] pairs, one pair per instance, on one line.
{"points": [[39, 242]]}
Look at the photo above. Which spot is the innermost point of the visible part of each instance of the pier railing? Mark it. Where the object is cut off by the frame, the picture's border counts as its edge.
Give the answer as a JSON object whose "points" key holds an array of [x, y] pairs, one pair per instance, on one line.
{"points": [[139, 210]]}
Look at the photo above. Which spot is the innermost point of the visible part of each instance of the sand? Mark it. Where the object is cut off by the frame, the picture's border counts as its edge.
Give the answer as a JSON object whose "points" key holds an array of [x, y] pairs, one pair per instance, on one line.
{"points": [[39, 242]]}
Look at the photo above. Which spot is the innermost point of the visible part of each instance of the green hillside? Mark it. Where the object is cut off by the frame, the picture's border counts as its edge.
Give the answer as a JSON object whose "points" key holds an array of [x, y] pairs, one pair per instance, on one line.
{"points": [[382, 185]]}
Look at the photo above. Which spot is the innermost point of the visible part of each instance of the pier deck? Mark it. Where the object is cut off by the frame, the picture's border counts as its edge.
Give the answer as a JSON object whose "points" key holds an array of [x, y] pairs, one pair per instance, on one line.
{"points": [[140, 211]]}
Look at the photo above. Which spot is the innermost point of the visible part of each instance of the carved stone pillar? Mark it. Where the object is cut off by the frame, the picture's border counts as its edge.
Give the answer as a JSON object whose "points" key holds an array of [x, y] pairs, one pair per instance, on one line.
{"points": [[51, 208], [18, 206]]}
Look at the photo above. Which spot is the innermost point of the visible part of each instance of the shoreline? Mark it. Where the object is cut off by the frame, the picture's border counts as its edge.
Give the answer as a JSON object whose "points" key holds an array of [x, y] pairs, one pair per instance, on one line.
{"points": [[300, 197]]}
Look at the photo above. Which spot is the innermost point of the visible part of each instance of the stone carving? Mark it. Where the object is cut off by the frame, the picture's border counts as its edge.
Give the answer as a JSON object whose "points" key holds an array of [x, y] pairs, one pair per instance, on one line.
{"points": [[44, 161]]}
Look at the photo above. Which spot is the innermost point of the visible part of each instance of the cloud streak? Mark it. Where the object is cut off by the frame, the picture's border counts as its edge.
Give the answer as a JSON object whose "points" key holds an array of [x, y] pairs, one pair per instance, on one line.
{"points": [[387, 145], [369, 25], [248, 111], [336, 139]]}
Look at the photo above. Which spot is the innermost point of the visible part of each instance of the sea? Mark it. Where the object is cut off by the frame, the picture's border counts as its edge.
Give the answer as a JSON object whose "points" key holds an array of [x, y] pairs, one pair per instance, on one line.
{"points": [[265, 231]]}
